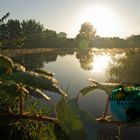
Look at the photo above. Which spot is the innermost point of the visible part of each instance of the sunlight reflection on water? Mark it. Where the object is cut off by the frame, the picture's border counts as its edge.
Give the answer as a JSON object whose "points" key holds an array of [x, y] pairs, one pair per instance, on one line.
{"points": [[73, 72], [101, 63], [73, 69]]}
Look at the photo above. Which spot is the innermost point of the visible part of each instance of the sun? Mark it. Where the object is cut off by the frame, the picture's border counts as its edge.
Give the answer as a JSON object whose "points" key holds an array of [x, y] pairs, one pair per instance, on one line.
{"points": [[103, 19]]}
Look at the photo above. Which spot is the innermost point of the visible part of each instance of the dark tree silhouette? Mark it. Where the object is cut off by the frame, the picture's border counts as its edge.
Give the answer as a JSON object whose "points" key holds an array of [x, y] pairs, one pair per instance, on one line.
{"points": [[86, 32], [31, 27], [11, 34], [4, 17], [86, 35], [62, 35]]}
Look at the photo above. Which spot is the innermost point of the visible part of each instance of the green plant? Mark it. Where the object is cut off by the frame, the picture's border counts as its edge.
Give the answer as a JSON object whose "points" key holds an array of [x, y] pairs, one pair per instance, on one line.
{"points": [[20, 118]]}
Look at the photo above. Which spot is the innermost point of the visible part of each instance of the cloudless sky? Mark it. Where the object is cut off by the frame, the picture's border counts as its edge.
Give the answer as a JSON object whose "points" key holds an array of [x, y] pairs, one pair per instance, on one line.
{"points": [[62, 15]]}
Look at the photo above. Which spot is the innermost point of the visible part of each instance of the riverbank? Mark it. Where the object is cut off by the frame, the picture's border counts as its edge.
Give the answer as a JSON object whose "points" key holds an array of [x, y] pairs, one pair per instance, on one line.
{"points": [[23, 51], [17, 52]]}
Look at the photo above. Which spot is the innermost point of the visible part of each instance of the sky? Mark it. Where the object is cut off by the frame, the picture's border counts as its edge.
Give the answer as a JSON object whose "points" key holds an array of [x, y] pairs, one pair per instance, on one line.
{"points": [[110, 17]]}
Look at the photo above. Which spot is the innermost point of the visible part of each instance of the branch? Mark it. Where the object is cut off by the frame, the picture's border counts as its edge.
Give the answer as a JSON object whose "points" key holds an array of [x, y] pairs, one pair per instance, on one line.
{"points": [[111, 122], [26, 116]]}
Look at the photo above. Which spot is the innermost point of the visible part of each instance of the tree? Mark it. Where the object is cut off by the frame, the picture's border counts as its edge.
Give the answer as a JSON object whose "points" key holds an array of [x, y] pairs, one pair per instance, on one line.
{"points": [[3, 28], [14, 29], [86, 35], [11, 34], [134, 40], [4, 17], [50, 34], [86, 32], [62, 35], [31, 27], [33, 32]]}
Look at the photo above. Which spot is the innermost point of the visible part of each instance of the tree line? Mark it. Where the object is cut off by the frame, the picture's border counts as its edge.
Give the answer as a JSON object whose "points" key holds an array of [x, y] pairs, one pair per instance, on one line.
{"points": [[32, 34]]}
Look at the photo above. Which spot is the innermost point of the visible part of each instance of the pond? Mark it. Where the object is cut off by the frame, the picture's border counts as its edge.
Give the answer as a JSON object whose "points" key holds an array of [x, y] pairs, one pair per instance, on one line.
{"points": [[73, 68]]}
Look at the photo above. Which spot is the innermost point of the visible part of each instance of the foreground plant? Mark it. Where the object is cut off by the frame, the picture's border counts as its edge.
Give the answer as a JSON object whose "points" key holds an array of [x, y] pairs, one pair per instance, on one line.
{"points": [[19, 118], [16, 81]]}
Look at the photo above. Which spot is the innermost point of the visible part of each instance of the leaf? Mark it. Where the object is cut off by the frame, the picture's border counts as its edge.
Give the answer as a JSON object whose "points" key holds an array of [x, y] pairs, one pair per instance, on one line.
{"points": [[6, 65], [86, 90], [107, 87], [47, 73], [37, 93], [93, 81], [10, 88], [19, 67], [76, 123], [6, 62], [37, 80]]}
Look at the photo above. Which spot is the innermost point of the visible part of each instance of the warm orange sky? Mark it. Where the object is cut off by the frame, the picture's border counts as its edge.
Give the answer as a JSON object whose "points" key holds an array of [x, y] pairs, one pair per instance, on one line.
{"points": [[110, 17]]}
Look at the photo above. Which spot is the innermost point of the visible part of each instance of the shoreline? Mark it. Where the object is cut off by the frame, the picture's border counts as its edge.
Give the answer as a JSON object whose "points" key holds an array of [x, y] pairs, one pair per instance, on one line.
{"points": [[22, 51]]}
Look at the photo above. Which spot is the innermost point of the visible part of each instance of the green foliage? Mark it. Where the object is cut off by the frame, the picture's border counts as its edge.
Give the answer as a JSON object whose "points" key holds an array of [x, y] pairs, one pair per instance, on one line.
{"points": [[30, 27], [11, 34], [4, 17], [86, 35], [47, 73], [62, 35], [24, 129], [6, 63], [32, 80], [37, 93], [16, 84], [10, 88], [86, 32], [32, 34]]}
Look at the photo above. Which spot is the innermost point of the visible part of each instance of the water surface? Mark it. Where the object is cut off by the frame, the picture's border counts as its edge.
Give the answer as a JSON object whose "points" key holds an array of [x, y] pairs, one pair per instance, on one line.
{"points": [[73, 68]]}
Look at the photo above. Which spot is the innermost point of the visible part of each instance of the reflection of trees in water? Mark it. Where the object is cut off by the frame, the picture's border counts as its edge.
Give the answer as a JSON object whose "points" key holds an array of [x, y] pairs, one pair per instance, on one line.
{"points": [[33, 61], [85, 58], [126, 69]]}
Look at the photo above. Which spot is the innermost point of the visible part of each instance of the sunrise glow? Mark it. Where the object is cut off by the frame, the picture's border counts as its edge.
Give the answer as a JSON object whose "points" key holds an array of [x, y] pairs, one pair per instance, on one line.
{"points": [[103, 19]]}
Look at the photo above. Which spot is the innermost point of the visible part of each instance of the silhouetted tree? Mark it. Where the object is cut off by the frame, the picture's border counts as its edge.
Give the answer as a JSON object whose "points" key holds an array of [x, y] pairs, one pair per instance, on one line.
{"points": [[134, 40], [62, 35], [31, 27], [11, 34], [3, 29], [86, 34], [4, 17], [33, 32], [50, 34], [14, 29]]}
